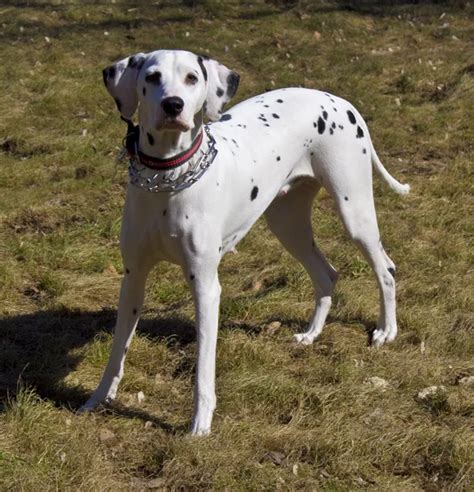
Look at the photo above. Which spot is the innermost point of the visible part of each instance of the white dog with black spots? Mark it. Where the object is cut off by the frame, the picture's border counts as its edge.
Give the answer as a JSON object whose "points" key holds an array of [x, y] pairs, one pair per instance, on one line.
{"points": [[274, 152]]}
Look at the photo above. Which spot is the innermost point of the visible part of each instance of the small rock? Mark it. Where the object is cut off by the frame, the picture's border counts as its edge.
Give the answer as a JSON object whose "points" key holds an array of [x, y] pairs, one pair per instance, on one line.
{"points": [[110, 269], [317, 35], [430, 391], [158, 379], [324, 474], [257, 285], [106, 435], [140, 397], [47, 39], [148, 424], [375, 416], [276, 457], [434, 398], [273, 327], [155, 483], [62, 456], [377, 382], [467, 381], [295, 469]]}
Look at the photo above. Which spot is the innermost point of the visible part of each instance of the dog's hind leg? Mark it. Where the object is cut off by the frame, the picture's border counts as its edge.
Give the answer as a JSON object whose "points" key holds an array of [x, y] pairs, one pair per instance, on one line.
{"points": [[355, 205], [130, 304], [289, 218]]}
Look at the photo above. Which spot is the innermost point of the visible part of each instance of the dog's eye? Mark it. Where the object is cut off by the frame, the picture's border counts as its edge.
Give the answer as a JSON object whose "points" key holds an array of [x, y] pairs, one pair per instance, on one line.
{"points": [[153, 78], [191, 79]]}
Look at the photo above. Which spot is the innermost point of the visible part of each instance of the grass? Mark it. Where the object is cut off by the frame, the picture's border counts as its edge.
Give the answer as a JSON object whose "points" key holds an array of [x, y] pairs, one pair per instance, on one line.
{"points": [[288, 417]]}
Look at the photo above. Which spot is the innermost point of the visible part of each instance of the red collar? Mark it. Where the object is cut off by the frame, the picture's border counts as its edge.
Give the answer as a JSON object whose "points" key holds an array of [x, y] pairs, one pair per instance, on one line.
{"points": [[156, 163], [160, 164]]}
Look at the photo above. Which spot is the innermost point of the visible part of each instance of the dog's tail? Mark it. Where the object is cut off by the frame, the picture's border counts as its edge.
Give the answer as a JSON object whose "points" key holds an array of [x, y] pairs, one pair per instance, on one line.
{"points": [[401, 189]]}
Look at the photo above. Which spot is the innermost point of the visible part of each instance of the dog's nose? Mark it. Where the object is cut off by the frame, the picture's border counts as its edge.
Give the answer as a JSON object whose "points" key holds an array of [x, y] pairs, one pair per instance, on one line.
{"points": [[172, 106]]}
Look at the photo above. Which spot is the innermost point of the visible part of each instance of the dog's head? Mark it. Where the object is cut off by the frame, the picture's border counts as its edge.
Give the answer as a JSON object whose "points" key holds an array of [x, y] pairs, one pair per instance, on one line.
{"points": [[170, 88]]}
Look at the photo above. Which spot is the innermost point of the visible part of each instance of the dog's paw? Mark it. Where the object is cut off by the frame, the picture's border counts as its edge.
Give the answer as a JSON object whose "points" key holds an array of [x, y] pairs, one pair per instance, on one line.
{"points": [[199, 432], [200, 427], [303, 339], [381, 336], [92, 403]]}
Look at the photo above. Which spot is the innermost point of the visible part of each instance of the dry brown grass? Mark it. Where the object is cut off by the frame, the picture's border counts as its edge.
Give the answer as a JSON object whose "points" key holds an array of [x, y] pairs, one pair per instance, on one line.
{"points": [[288, 417]]}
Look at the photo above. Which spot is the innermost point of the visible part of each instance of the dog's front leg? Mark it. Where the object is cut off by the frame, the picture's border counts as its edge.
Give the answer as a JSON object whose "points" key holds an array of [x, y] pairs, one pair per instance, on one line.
{"points": [[130, 304], [206, 292]]}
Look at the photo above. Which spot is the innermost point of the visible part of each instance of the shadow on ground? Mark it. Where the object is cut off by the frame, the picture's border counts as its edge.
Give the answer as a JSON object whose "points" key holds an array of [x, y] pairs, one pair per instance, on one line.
{"points": [[40, 350]]}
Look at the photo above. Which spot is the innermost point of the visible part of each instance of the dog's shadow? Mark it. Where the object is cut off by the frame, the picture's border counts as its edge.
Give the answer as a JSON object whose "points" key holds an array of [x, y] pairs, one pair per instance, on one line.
{"points": [[39, 350]]}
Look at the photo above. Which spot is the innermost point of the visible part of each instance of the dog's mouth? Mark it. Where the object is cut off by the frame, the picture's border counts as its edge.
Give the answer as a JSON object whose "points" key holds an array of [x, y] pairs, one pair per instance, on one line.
{"points": [[173, 123]]}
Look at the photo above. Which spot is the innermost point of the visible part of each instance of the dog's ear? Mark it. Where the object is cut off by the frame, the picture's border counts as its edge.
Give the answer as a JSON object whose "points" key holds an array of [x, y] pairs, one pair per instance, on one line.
{"points": [[120, 79], [222, 85]]}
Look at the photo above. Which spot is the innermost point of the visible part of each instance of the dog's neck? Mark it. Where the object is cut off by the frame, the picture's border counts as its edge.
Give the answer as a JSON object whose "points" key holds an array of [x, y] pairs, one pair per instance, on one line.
{"points": [[165, 144]]}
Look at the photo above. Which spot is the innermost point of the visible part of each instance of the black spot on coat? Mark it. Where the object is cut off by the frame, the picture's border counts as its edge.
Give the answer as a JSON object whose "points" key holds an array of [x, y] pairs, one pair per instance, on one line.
{"points": [[191, 276], [279, 101], [392, 271], [321, 125], [203, 68], [325, 115], [225, 117], [232, 83], [275, 115], [360, 132], [219, 92], [254, 193], [351, 116]]}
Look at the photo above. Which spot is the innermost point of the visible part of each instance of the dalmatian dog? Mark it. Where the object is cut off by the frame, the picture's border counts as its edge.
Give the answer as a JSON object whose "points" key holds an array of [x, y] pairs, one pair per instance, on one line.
{"points": [[272, 153]]}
